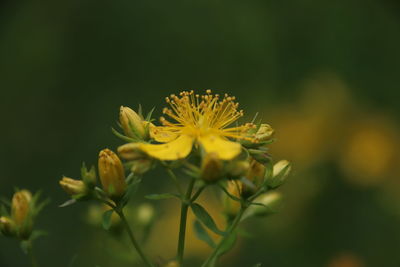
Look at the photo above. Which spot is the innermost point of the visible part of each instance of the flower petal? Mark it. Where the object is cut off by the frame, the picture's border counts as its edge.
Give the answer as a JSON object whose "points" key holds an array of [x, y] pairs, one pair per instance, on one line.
{"points": [[177, 149], [162, 134], [224, 148]]}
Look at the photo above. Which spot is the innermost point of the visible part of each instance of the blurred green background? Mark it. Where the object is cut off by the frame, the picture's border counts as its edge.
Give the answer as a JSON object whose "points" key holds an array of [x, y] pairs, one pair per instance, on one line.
{"points": [[324, 74]]}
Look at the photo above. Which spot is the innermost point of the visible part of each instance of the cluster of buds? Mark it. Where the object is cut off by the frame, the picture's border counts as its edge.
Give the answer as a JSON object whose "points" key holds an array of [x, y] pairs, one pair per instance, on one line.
{"points": [[139, 130], [24, 208], [111, 174]]}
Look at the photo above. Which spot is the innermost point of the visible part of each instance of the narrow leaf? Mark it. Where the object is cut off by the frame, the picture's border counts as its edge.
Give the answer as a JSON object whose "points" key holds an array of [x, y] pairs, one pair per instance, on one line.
{"points": [[203, 216], [123, 137], [107, 219], [68, 203], [202, 234]]}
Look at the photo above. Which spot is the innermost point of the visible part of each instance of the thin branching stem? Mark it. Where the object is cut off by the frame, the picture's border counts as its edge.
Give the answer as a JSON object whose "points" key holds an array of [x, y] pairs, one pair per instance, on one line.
{"points": [[133, 239], [211, 259]]}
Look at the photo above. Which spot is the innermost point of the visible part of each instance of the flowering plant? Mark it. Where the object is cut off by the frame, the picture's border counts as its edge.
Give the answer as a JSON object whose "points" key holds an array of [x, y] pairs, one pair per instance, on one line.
{"points": [[200, 139]]}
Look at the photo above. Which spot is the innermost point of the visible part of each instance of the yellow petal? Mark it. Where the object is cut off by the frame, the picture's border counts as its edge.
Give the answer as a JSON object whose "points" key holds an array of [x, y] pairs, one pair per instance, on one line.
{"points": [[177, 149], [162, 134], [224, 148]]}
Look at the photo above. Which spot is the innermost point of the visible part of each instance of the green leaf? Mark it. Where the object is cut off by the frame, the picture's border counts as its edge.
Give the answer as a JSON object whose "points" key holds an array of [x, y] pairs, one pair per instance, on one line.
{"points": [[228, 194], [162, 196], [132, 188], [227, 244], [148, 117], [123, 137], [107, 219], [203, 216], [202, 234], [257, 265]]}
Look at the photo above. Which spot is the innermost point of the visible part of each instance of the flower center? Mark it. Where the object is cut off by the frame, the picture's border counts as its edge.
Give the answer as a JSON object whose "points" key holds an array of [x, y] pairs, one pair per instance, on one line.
{"points": [[206, 114]]}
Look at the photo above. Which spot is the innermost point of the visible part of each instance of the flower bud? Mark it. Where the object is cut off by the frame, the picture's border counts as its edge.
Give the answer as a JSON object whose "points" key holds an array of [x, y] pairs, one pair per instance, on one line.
{"points": [[237, 169], [211, 168], [111, 174], [231, 206], [264, 133], [7, 226], [21, 213], [280, 172], [255, 175], [131, 123], [88, 176], [145, 214], [131, 151], [141, 166], [73, 187], [267, 204], [256, 172]]}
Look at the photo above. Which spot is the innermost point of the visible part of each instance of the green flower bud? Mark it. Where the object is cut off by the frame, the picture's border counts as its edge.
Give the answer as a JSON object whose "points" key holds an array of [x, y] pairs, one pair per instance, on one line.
{"points": [[280, 172], [145, 214], [132, 123], [112, 175], [264, 133], [266, 204], [89, 176]]}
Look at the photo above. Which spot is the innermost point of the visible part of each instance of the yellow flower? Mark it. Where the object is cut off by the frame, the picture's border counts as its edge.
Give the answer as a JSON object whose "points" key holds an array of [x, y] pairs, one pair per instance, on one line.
{"points": [[199, 120]]}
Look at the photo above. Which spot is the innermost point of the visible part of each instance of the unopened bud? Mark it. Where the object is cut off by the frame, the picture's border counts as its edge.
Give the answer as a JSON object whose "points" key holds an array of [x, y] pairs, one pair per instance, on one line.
{"points": [[280, 172], [265, 204], [145, 214], [237, 169], [211, 168], [131, 123], [7, 226], [264, 133], [256, 173], [232, 206], [89, 176], [21, 212], [112, 175], [73, 187], [131, 151], [141, 166]]}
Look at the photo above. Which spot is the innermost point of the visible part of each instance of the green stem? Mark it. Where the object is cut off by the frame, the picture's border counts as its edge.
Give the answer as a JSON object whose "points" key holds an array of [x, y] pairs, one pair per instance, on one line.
{"points": [[31, 255], [197, 194], [133, 239], [182, 226], [229, 232]]}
